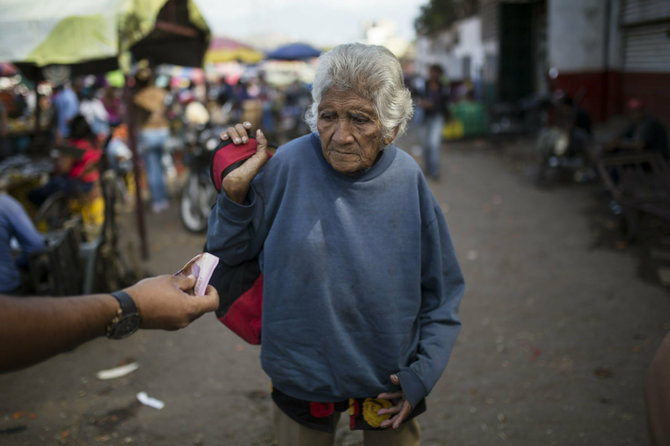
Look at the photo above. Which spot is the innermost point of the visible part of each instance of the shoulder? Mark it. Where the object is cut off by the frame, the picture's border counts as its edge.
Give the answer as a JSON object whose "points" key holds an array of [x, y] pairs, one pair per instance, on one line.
{"points": [[301, 143], [298, 150], [406, 170], [403, 161]]}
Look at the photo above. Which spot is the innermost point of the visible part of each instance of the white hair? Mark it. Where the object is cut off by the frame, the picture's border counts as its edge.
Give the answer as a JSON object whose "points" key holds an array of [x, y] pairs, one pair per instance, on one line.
{"points": [[370, 71]]}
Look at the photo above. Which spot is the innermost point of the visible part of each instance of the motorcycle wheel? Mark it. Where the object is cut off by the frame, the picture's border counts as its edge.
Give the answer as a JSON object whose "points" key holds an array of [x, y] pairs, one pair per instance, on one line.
{"points": [[196, 204]]}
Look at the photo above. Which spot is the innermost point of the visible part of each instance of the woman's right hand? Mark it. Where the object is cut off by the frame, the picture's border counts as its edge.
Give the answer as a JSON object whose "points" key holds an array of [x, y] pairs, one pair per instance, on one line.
{"points": [[236, 183]]}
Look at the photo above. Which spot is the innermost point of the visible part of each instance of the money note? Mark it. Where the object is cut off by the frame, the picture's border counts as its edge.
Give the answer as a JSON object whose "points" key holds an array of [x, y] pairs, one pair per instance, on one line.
{"points": [[201, 266]]}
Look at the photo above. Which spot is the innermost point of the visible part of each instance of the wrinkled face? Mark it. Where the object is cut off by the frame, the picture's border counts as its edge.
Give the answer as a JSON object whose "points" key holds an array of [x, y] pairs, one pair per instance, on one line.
{"points": [[350, 131]]}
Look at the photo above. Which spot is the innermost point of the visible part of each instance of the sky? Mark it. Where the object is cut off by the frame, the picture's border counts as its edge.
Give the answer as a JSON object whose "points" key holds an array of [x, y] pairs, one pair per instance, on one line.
{"points": [[318, 22]]}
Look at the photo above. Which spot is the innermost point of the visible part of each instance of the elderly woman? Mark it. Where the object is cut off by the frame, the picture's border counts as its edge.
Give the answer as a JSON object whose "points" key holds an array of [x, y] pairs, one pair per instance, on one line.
{"points": [[360, 281]]}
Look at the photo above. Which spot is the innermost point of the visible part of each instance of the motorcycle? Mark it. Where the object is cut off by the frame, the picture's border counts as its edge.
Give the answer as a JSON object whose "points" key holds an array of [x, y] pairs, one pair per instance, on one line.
{"points": [[564, 154], [198, 195], [520, 118]]}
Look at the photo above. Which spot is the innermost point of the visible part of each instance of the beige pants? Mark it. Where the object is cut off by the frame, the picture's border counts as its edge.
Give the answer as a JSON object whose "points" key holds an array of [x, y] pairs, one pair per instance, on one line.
{"points": [[292, 433]]}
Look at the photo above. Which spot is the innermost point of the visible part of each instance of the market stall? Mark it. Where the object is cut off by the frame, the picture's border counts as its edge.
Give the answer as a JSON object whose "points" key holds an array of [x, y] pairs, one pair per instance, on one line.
{"points": [[54, 41]]}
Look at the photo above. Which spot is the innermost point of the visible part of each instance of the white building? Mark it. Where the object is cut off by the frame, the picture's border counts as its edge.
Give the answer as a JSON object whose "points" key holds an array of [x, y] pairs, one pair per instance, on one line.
{"points": [[459, 50]]}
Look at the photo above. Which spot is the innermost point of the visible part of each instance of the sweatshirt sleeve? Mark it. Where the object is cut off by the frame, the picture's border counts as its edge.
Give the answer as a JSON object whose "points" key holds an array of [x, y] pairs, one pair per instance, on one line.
{"points": [[442, 287], [233, 231], [23, 229]]}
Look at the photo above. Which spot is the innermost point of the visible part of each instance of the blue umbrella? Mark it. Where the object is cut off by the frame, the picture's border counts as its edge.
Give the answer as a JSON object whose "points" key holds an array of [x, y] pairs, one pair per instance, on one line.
{"points": [[293, 51]]}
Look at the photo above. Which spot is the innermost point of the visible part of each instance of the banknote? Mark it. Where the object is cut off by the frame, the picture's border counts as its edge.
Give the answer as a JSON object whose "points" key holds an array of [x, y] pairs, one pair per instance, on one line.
{"points": [[201, 266]]}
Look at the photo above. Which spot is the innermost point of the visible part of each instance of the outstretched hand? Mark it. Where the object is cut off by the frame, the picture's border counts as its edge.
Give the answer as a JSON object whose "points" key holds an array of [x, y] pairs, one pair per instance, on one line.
{"points": [[163, 302], [400, 410], [236, 183]]}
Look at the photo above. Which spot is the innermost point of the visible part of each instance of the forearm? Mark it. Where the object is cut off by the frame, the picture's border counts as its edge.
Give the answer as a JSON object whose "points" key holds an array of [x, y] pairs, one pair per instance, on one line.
{"points": [[231, 234], [439, 324], [435, 347], [33, 329]]}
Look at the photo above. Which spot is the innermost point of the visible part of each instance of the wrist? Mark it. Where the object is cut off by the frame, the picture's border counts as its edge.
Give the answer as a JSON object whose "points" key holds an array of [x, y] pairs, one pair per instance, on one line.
{"points": [[126, 320], [412, 386]]}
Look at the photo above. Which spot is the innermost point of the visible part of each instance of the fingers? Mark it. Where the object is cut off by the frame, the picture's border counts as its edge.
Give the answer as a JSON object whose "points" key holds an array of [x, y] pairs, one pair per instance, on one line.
{"points": [[253, 165], [392, 410], [199, 305], [185, 283], [401, 410], [210, 301], [236, 184], [395, 421], [262, 141], [238, 133], [390, 395]]}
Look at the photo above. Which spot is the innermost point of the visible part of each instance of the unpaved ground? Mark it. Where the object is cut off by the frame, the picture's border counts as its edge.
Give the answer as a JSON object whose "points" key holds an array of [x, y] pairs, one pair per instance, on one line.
{"points": [[558, 329]]}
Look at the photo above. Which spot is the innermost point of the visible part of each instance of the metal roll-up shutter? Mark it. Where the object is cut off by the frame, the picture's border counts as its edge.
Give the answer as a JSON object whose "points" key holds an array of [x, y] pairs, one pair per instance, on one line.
{"points": [[646, 35], [647, 48], [640, 11]]}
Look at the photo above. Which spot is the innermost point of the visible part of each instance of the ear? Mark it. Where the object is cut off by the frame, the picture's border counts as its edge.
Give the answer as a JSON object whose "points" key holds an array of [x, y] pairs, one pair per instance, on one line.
{"points": [[389, 139]]}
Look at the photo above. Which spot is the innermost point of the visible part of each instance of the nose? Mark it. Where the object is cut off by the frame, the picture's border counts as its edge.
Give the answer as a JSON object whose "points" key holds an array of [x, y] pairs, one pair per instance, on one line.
{"points": [[343, 134]]}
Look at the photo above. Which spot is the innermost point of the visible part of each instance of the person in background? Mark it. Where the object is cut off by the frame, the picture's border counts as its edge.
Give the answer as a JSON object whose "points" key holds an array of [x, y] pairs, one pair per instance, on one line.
{"points": [[435, 105], [76, 164], [153, 127], [15, 224], [361, 285], [33, 329], [92, 108], [112, 103], [644, 132], [66, 107]]}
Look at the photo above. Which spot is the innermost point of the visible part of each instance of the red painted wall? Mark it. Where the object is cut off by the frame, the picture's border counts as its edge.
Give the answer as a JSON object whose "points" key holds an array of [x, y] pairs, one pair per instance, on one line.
{"points": [[605, 93]]}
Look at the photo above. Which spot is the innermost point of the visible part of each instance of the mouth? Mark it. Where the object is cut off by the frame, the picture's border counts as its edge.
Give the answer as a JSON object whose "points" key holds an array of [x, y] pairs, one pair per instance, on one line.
{"points": [[340, 151]]}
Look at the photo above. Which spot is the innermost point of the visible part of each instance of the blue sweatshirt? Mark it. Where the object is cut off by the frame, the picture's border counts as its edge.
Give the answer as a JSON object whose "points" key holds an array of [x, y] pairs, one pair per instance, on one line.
{"points": [[360, 276]]}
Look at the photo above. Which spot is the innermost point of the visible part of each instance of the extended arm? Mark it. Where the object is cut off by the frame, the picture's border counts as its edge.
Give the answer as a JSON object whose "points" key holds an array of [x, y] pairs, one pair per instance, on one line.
{"points": [[34, 329]]}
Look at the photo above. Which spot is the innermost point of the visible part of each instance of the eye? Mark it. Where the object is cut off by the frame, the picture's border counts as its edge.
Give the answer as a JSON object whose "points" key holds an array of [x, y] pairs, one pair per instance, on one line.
{"points": [[327, 116], [360, 119]]}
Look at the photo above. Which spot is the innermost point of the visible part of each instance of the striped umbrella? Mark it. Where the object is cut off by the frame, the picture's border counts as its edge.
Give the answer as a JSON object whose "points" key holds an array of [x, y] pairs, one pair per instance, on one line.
{"points": [[224, 49]]}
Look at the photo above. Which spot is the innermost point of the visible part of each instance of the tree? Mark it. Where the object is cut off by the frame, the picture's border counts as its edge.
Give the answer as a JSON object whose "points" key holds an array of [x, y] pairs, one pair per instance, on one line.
{"points": [[438, 15]]}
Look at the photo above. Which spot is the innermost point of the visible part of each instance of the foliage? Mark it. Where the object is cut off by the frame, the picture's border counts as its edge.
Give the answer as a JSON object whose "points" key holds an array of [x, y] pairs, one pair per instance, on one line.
{"points": [[438, 15]]}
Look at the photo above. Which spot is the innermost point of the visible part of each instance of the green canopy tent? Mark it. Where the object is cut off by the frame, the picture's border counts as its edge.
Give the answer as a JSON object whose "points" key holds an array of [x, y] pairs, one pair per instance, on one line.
{"points": [[52, 40], [92, 37]]}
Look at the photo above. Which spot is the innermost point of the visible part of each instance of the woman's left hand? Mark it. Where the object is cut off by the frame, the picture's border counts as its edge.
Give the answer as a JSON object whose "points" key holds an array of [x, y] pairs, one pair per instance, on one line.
{"points": [[401, 409]]}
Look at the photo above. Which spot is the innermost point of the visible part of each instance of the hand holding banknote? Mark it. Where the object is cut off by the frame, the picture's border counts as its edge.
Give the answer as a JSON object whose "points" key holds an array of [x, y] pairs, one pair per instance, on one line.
{"points": [[166, 302], [201, 266]]}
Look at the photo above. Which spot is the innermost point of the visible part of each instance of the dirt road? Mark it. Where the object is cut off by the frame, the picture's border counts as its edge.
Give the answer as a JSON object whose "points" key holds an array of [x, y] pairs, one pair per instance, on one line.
{"points": [[556, 337]]}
